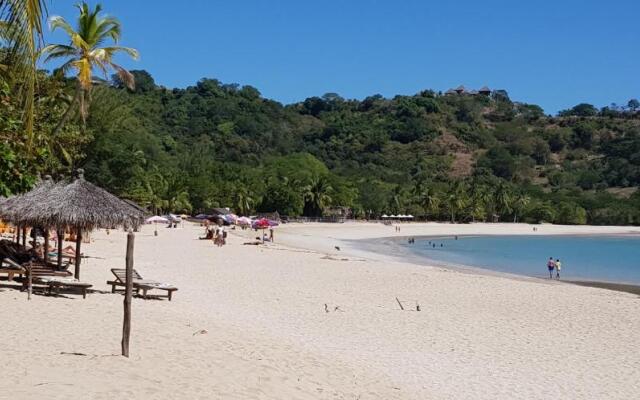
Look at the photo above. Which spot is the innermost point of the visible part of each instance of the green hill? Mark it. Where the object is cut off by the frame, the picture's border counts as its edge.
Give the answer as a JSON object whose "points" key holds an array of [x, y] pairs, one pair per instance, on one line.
{"points": [[447, 156]]}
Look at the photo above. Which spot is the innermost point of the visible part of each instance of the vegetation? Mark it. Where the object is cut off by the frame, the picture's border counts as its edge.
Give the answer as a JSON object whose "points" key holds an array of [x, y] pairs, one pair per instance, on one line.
{"points": [[439, 156]]}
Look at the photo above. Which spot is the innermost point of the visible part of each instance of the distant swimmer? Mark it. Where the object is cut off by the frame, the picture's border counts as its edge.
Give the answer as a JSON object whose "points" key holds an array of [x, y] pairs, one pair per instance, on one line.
{"points": [[456, 237], [441, 245], [434, 245]]}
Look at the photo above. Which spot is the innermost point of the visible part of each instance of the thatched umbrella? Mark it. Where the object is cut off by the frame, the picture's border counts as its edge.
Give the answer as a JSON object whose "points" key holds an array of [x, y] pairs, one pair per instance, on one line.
{"points": [[80, 205], [11, 209]]}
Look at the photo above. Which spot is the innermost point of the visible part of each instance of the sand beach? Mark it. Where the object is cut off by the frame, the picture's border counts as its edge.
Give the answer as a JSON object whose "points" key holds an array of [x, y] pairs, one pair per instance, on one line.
{"points": [[299, 319]]}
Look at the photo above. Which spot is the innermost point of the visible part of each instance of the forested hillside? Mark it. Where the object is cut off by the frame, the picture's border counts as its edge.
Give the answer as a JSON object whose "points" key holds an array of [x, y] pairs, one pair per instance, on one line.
{"points": [[459, 157]]}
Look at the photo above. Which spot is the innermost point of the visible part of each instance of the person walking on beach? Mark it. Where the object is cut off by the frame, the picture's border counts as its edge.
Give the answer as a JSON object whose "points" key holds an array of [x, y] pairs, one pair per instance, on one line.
{"points": [[558, 267], [551, 265]]}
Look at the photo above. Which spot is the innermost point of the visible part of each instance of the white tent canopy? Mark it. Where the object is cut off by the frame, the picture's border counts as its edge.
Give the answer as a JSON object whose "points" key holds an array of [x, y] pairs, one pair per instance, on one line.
{"points": [[156, 219]]}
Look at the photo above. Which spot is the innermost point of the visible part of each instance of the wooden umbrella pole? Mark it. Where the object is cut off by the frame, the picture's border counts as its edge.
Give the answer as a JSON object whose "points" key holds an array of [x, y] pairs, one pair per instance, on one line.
{"points": [[126, 325], [78, 243], [46, 246], [24, 236], [18, 234], [60, 234]]}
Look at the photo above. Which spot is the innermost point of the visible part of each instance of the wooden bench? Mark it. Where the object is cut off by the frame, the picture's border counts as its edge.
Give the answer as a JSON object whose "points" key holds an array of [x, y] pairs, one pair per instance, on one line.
{"points": [[139, 284]]}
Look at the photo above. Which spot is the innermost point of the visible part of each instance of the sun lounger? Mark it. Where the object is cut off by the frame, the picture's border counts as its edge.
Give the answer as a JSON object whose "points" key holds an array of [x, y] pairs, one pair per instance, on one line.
{"points": [[139, 284], [54, 284], [11, 268]]}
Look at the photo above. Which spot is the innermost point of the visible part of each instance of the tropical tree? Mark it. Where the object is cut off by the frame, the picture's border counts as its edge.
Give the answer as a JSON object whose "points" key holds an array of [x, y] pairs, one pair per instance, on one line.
{"points": [[21, 31], [457, 199], [519, 205], [504, 199], [396, 201], [243, 200], [430, 200], [84, 53], [317, 196], [479, 200]]}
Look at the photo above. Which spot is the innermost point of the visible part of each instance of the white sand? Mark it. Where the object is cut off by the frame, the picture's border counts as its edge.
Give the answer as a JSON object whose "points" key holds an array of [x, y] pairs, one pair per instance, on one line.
{"points": [[269, 337]]}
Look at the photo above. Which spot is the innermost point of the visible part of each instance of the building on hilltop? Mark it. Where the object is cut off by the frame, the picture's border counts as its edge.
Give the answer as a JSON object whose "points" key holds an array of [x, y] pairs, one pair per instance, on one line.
{"points": [[461, 90]]}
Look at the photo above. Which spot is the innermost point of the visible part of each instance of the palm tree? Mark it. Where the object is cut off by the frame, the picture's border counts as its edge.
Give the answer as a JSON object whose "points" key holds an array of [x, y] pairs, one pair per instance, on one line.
{"points": [[478, 200], [519, 205], [504, 199], [21, 31], [457, 199], [317, 195], [243, 201], [84, 53], [430, 201]]}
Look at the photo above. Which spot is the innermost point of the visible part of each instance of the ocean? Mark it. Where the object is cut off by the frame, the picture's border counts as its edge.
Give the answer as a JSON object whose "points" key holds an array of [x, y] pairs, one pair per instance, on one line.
{"points": [[589, 258]]}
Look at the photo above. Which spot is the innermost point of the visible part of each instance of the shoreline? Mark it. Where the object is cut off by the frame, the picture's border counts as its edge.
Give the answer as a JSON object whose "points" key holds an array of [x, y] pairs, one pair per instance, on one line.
{"points": [[363, 248]]}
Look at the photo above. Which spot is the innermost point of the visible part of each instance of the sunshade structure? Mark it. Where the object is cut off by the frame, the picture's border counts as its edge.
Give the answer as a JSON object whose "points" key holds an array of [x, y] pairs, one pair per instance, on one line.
{"points": [[79, 205], [243, 221], [263, 223], [156, 219], [11, 208]]}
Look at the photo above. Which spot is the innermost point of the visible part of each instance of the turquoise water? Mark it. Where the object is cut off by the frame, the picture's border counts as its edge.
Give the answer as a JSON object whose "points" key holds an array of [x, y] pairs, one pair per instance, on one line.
{"points": [[609, 259]]}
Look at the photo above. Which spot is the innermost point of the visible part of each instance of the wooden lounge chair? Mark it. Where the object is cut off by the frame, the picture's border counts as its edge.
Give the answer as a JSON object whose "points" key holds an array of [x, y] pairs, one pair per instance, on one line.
{"points": [[11, 268], [54, 284], [139, 284], [47, 276]]}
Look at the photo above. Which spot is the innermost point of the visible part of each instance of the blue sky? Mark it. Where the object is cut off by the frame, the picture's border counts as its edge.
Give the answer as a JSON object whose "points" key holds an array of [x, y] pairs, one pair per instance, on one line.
{"points": [[552, 53]]}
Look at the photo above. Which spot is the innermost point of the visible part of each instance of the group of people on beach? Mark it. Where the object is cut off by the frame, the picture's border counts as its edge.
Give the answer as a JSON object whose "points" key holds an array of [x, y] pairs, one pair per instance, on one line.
{"points": [[554, 266], [216, 233]]}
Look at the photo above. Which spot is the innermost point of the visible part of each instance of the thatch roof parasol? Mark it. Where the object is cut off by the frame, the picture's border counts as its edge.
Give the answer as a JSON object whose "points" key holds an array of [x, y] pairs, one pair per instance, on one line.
{"points": [[11, 208], [79, 204]]}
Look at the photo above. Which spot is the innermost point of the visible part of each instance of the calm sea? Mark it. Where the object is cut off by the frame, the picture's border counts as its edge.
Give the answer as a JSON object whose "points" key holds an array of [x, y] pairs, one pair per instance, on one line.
{"points": [[598, 258]]}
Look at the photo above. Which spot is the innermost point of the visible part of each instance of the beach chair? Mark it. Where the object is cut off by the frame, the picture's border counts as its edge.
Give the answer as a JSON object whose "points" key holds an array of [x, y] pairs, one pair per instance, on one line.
{"points": [[55, 283], [139, 284], [11, 268]]}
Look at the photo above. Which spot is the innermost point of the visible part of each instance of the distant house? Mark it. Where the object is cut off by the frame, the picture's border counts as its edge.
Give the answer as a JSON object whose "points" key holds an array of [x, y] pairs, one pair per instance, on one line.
{"points": [[485, 91], [461, 90]]}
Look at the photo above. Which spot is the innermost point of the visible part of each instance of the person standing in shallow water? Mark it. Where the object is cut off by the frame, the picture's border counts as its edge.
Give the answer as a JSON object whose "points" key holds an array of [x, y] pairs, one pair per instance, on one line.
{"points": [[558, 267], [551, 266]]}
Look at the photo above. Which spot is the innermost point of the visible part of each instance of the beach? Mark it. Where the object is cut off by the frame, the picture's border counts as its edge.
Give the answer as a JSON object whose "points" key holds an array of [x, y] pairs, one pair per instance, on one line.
{"points": [[300, 319]]}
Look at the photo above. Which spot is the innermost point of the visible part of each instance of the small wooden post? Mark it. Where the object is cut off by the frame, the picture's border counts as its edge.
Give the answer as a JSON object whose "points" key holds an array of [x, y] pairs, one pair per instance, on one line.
{"points": [[18, 234], [126, 325], [60, 233], [46, 246], [29, 281], [78, 243], [24, 236]]}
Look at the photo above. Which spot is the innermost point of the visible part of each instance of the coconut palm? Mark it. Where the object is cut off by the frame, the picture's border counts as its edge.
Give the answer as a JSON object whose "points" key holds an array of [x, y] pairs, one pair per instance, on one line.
{"points": [[519, 205], [504, 199], [85, 55], [457, 199], [430, 201], [317, 195], [21, 32], [243, 200]]}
